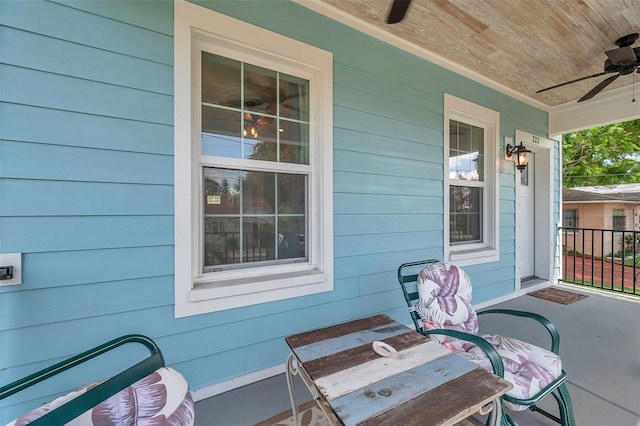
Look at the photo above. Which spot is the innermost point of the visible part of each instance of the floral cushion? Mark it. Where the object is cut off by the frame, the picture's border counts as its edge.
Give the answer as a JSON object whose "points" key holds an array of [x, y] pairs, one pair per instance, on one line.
{"points": [[161, 398], [528, 367], [445, 299], [445, 302]]}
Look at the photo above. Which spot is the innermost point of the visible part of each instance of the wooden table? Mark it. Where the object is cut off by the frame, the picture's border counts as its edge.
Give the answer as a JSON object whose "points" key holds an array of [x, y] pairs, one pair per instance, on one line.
{"points": [[424, 384]]}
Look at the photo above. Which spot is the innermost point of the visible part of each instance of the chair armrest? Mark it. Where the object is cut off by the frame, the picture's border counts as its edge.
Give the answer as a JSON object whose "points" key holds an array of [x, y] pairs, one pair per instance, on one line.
{"points": [[486, 347], [96, 395], [551, 328]]}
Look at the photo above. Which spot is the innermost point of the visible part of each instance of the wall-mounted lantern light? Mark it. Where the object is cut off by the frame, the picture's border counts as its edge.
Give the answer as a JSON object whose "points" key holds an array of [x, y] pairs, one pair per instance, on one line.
{"points": [[521, 155]]}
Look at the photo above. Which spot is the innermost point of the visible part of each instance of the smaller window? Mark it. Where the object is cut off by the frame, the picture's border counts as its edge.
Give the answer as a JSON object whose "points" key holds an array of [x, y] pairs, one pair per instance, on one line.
{"points": [[570, 218], [619, 220], [471, 182]]}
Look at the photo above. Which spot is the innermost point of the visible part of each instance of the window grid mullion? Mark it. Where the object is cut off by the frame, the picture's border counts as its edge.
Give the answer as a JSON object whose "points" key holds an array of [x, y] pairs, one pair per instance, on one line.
{"points": [[275, 219], [243, 125]]}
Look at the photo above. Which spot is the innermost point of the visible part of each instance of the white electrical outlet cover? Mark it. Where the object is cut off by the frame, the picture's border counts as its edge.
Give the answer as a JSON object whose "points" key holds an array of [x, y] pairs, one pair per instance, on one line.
{"points": [[15, 260]]}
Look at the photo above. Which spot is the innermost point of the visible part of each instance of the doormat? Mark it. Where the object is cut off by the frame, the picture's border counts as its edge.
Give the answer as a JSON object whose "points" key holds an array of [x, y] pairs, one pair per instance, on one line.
{"points": [[557, 295], [311, 415]]}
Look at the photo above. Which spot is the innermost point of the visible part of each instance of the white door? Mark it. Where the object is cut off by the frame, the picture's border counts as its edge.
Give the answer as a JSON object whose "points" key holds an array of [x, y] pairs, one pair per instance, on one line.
{"points": [[525, 219], [535, 226]]}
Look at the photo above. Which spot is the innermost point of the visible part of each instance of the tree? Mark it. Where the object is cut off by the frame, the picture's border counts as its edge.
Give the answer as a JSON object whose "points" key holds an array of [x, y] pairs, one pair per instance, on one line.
{"points": [[606, 155]]}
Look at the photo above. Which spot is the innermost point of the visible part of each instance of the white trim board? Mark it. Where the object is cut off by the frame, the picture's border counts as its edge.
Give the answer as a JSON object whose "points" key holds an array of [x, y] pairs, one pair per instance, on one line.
{"points": [[613, 106]]}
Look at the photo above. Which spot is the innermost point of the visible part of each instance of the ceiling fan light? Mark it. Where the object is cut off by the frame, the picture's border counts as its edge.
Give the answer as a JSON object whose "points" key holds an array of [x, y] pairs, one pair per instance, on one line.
{"points": [[622, 55]]}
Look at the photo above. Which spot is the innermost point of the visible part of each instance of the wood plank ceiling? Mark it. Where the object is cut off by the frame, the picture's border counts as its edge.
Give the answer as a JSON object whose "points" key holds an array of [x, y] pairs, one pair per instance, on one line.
{"points": [[525, 45]]}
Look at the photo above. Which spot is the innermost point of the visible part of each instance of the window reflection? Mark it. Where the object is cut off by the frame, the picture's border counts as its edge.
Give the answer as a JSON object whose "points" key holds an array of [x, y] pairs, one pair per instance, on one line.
{"points": [[252, 216], [252, 112], [465, 214], [466, 151], [464, 166]]}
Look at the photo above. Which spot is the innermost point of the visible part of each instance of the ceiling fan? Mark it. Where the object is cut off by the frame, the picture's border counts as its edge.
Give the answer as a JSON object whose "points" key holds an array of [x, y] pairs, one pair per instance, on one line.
{"points": [[621, 61]]}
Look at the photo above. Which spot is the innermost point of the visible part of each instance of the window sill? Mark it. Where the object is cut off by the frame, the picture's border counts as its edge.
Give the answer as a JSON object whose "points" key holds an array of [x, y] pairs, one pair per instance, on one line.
{"points": [[473, 256], [206, 288], [208, 295]]}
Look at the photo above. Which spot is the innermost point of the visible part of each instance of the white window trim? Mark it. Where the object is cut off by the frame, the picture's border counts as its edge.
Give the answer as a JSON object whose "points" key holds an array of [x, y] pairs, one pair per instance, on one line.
{"points": [[489, 250], [195, 292]]}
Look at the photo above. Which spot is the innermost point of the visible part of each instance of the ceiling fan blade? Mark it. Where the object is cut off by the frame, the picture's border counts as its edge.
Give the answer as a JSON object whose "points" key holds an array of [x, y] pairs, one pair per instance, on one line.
{"points": [[604, 83], [623, 55], [398, 11], [573, 81]]}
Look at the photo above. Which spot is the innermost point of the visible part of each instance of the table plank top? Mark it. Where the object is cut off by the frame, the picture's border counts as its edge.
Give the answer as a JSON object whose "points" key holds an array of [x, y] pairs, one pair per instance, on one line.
{"points": [[425, 383]]}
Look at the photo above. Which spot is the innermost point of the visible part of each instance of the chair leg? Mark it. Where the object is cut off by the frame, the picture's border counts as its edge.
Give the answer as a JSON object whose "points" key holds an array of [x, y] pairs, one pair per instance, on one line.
{"points": [[510, 421], [564, 404], [562, 397]]}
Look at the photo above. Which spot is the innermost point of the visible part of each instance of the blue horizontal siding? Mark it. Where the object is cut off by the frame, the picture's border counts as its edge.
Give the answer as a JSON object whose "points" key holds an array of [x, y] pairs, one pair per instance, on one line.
{"points": [[379, 87], [40, 234], [349, 224], [86, 187], [62, 339], [357, 162], [354, 182], [99, 299], [496, 287], [37, 88], [346, 118], [379, 242], [359, 141], [355, 266], [31, 51], [56, 127], [229, 365], [380, 104], [72, 198], [76, 268], [90, 29], [33, 161], [377, 204], [150, 16]]}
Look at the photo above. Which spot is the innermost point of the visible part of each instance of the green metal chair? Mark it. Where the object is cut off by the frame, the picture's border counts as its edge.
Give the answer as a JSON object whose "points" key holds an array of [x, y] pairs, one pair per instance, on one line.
{"points": [[97, 394], [442, 282]]}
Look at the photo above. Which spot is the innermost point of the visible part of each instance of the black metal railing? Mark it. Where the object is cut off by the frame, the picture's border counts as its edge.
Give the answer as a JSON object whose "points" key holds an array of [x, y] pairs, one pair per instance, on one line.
{"points": [[224, 248], [606, 259]]}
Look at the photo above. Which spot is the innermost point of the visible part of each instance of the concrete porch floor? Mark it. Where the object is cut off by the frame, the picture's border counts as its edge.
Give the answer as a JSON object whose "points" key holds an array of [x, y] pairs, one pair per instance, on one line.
{"points": [[600, 350]]}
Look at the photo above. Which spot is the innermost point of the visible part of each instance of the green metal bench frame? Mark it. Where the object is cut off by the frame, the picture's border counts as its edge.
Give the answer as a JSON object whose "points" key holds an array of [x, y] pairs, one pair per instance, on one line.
{"points": [[557, 388], [96, 395]]}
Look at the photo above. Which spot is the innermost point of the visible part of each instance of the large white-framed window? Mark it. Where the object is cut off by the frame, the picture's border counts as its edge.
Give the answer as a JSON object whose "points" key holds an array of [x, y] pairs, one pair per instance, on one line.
{"points": [[471, 182], [253, 164]]}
